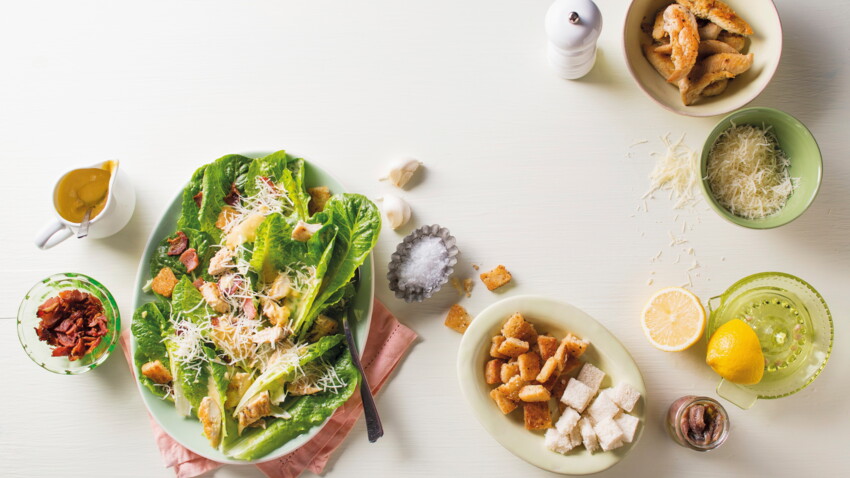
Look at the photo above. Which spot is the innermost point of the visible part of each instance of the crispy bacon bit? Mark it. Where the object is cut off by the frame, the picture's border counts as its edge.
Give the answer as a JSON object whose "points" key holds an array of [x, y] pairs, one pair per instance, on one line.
{"points": [[178, 244], [189, 258], [198, 282], [233, 196], [198, 198], [72, 322]]}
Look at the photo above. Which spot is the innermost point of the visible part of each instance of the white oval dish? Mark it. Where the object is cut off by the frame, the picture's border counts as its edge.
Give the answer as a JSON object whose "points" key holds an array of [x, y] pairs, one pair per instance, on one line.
{"points": [[557, 318]]}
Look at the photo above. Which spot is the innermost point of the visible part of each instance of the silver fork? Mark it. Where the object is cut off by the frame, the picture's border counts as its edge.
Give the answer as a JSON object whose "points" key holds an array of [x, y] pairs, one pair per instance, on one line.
{"points": [[373, 421]]}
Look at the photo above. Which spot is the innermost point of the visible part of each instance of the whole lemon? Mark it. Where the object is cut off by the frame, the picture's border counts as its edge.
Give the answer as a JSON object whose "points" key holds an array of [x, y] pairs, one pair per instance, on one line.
{"points": [[735, 354]]}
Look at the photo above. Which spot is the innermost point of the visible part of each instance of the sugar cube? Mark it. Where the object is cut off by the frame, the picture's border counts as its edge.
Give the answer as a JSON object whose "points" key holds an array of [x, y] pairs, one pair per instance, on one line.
{"points": [[557, 442], [568, 421], [577, 395], [625, 396], [588, 435], [609, 433], [628, 424], [602, 408], [591, 376]]}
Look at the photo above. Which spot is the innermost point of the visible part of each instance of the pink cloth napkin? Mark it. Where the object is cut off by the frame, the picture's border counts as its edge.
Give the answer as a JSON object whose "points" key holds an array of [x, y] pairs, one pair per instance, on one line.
{"points": [[387, 343]]}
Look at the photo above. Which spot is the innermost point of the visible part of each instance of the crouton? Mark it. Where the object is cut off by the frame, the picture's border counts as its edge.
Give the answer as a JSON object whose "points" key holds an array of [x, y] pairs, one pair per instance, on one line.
{"points": [[557, 442], [609, 433], [512, 387], [548, 370], [628, 424], [509, 371], [157, 372], [513, 347], [588, 435], [572, 364], [518, 327], [575, 436], [529, 365], [534, 393], [318, 198], [164, 282], [493, 371], [505, 404], [559, 384], [575, 346], [577, 395], [569, 420], [496, 342], [496, 278], [458, 319], [602, 408], [547, 345], [536, 415], [226, 215], [591, 376], [624, 396]]}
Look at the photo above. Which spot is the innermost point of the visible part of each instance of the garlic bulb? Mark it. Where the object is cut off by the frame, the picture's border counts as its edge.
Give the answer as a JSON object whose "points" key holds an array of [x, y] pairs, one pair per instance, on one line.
{"points": [[402, 170], [397, 211]]}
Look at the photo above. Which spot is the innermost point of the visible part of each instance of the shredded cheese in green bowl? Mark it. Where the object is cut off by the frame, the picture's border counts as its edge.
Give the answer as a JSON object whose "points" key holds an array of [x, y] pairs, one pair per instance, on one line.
{"points": [[760, 168]]}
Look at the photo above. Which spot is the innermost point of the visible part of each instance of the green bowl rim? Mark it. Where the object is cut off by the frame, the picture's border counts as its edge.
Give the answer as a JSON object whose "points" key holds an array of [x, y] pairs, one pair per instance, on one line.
{"points": [[111, 302], [723, 212], [815, 375]]}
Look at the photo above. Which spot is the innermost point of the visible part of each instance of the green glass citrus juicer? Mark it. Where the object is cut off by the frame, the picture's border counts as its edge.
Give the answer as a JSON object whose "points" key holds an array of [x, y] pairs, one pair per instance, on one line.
{"points": [[794, 327]]}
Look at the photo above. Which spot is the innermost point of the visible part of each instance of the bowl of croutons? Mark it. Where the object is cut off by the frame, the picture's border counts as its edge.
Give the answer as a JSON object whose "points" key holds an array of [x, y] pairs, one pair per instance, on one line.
{"points": [[552, 385], [702, 57]]}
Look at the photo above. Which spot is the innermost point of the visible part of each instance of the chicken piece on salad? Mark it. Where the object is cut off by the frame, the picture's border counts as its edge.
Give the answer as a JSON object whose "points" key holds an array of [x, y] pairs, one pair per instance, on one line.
{"points": [[209, 414], [212, 295]]}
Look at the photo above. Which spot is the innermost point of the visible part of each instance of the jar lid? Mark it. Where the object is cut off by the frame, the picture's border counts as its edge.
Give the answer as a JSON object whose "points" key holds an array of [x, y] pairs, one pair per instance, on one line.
{"points": [[573, 24]]}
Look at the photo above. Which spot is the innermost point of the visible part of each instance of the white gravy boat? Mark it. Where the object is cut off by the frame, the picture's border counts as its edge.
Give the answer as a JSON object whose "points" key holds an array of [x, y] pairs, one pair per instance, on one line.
{"points": [[120, 203]]}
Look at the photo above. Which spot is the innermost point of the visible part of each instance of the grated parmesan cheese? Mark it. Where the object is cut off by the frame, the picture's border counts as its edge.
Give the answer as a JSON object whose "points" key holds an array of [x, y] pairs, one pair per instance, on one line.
{"points": [[748, 173], [676, 171]]}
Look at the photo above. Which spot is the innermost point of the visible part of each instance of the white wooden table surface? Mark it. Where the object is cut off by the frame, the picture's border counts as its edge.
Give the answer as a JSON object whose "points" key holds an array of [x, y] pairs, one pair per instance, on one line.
{"points": [[525, 169]]}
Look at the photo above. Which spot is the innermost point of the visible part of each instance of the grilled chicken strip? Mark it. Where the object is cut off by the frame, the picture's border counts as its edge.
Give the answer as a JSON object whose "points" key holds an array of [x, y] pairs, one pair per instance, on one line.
{"points": [[210, 416], [257, 408], [719, 13], [711, 70], [681, 25], [212, 295], [736, 41], [709, 31]]}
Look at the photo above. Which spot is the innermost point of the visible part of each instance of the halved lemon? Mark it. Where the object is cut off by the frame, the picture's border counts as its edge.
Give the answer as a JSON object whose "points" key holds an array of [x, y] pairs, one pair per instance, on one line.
{"points": [[673, 319]]}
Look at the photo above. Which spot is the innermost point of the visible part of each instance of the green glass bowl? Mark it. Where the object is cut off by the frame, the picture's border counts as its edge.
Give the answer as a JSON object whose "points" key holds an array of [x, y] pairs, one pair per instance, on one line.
{"points": [[798, 144], [727, 306], [40, 352]]}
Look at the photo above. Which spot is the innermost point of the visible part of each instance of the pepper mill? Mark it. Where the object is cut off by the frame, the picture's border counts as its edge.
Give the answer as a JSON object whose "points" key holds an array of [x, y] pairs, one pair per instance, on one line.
{"points": [[572, 27]]}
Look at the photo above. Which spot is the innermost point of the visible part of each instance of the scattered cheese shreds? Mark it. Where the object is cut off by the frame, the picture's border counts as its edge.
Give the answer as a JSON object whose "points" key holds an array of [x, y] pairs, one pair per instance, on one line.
{"points": [[675, 171], [748, 173]]}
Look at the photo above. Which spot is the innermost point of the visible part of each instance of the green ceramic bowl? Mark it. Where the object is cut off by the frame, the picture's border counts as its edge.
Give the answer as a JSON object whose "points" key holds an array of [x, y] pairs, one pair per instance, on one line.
{"points": [[798, 144]]}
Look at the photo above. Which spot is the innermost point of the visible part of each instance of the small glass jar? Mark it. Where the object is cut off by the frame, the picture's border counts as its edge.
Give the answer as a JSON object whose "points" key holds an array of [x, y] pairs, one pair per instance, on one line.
{"points": [[684, 428]]}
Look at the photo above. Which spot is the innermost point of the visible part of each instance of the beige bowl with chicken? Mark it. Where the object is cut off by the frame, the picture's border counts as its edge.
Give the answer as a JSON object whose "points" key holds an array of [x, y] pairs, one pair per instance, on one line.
{"points": [[765, 44]]}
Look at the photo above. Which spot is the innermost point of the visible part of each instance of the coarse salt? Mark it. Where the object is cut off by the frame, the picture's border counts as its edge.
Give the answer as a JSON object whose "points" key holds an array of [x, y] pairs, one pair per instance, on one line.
{"points": [[425, 264]]}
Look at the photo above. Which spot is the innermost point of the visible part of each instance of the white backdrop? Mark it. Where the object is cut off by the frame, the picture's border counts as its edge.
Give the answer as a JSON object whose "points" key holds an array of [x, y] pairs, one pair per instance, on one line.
{"points": [[524, 168]]}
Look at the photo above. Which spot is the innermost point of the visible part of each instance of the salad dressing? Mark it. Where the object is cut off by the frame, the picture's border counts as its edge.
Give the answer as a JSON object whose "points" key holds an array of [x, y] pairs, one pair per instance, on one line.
{"points": [[82, 189]]}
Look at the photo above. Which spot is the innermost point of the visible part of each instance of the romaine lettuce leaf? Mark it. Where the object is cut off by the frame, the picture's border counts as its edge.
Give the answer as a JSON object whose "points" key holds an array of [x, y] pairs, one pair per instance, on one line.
{"points": [[306, 413], [188, 302], [218, 177], [149, 327], [200, 241], [358, 224], [188, 208], [278, 374]]}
